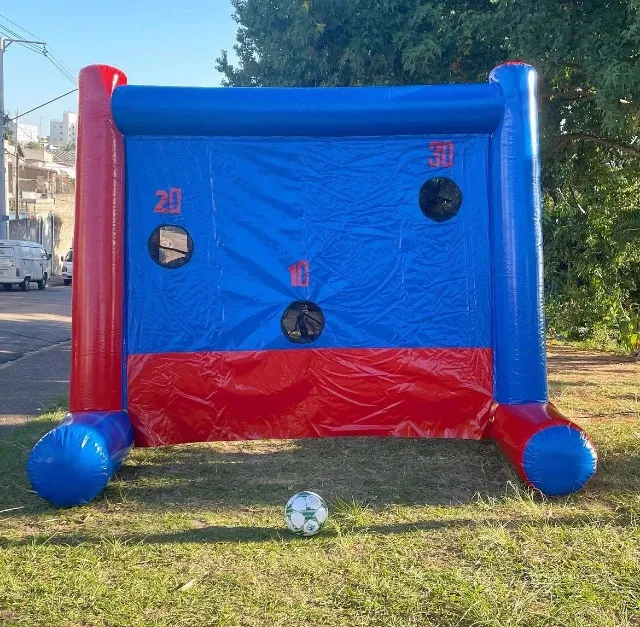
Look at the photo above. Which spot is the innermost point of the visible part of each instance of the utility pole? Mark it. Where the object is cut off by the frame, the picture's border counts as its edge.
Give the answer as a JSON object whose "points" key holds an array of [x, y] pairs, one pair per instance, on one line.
{"points": [[4, 212], [16, 174]]}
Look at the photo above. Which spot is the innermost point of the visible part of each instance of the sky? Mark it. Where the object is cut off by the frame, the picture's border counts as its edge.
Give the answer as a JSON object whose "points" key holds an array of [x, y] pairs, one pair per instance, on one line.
{"points": [[160, 42]]}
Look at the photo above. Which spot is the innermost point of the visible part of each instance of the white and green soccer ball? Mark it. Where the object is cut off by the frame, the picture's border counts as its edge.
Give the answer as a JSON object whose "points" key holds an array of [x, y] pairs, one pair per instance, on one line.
{"points": [[306, 513]]}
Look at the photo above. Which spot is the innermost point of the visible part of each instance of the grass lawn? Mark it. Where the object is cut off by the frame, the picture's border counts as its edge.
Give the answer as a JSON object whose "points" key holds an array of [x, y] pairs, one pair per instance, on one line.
{"points": [[421, 532]]}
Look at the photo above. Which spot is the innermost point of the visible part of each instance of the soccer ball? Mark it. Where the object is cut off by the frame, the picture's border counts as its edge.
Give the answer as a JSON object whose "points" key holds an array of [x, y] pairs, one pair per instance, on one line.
{"points": [[305, 513]]}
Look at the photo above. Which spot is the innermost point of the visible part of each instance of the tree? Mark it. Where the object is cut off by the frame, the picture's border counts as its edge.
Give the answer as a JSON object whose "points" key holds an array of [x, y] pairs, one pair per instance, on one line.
{"points": [[8, 133], [587, 53]]}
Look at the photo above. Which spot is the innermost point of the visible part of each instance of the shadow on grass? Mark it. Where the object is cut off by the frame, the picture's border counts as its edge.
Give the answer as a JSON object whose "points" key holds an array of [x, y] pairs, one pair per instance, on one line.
{"points": [[372, 471], [377, 471], [242, 534]]}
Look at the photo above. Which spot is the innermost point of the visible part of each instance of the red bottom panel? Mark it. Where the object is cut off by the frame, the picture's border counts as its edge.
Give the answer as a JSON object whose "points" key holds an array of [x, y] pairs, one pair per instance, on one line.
{"points": [[413, 392]]}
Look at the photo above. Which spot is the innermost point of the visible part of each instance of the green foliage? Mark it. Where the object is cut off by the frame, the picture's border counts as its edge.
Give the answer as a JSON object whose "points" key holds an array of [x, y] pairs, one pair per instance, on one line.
{"points": [[588, 57], [630, 329], [592, 248], [4, 124]]}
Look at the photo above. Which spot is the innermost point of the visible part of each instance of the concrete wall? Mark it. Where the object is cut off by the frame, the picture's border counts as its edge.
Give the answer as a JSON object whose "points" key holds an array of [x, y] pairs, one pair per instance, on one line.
{"points": [[52, 227], [64, 212], [26, 229], [34, 230]]}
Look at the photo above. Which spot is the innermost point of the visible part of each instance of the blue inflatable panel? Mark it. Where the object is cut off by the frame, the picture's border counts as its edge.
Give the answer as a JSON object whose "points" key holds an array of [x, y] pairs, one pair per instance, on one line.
{"points": [[73, 463], [384, 274], [559, 460], [325, 111]]}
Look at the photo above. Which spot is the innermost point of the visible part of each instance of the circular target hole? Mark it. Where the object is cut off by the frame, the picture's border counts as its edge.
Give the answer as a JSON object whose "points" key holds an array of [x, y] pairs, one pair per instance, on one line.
{"points": [[170, 246], [302, 322], [440, 199]]}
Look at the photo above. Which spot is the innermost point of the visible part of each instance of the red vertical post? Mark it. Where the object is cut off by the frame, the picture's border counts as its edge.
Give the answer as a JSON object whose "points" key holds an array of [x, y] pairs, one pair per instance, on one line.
{"points": [[98, 247]]}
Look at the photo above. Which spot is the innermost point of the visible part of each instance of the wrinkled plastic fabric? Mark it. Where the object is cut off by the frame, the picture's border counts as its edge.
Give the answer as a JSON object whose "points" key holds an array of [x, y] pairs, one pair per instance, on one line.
{"points": [[384, 275], [192, 397], [329, 180], [391, 284], [549, 452], [73, 463]]}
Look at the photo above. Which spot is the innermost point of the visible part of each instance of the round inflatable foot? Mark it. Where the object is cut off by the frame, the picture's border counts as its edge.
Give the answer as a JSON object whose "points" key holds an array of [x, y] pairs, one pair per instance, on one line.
{"points": [[70, 465], [549, 452], [559, 460]]}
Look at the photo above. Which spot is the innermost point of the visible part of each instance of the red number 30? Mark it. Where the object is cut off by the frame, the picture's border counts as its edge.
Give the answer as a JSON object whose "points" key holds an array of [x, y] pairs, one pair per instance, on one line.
{"points": [[441, 154]]}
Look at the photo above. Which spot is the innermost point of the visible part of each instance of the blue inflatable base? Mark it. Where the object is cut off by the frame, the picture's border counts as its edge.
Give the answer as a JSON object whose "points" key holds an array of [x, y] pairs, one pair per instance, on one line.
{"points": [[559, 460], [73, 463]]}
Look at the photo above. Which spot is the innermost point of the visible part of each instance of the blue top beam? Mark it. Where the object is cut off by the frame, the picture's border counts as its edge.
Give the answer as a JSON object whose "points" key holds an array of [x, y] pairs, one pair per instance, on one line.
{"points": [[324, 111]]}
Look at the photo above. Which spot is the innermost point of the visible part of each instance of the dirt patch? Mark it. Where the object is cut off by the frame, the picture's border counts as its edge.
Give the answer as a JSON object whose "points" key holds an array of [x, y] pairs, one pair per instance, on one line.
{"points": [[592, 384], [564, 359]]}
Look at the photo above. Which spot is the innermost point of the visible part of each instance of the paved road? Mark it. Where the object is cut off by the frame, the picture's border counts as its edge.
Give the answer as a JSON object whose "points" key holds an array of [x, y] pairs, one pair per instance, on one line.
{"points": [[33, 320], [35, 333]]}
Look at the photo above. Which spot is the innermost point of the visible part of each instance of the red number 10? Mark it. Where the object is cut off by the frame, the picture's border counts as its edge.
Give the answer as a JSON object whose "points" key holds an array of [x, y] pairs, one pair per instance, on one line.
{"points": [[299, 274]]}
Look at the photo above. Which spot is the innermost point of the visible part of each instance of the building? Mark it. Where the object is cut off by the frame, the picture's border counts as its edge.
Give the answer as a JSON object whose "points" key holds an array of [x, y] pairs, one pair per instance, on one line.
{"points": [[65, 157], [63, 132], [46, 197], [37, 156], [10, 173], [23, 133], [56, 133], [42, 177]]}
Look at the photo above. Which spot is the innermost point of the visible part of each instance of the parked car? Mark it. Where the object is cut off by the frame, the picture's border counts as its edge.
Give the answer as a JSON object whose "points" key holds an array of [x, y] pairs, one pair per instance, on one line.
{"points": [[23, 263], [67, 267]]}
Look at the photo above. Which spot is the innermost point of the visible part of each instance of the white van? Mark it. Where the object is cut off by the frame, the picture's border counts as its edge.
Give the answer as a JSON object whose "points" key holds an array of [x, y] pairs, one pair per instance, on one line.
{"points": [[23, 263], [67, 267]]}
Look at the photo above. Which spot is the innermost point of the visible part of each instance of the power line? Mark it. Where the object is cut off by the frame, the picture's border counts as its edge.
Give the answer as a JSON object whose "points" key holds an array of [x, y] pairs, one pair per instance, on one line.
{"points": [[35, 45], [58, 67], [25, 44], [59, 63], [31, 45], [4, 17], [44, 51], [47, 54], [12, 33], [44, 104]]}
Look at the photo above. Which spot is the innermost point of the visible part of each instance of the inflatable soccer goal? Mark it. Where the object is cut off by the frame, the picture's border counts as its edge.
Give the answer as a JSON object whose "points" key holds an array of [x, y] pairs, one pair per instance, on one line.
{"points": [[290, 263]]}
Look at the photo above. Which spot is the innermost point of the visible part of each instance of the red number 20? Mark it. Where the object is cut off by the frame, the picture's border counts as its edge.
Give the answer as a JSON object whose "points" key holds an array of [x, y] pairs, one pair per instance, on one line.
{"points": [[441, 154], [169, 202]]}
